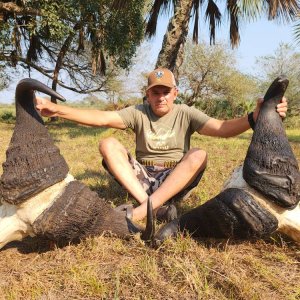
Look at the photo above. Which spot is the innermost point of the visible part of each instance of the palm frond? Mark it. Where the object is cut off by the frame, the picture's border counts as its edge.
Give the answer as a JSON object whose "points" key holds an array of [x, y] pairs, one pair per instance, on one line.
{"points": [[196, 21], [234, 12], [251, 9], [213, 15], [158, 7], [284, 10], [296, 31]]}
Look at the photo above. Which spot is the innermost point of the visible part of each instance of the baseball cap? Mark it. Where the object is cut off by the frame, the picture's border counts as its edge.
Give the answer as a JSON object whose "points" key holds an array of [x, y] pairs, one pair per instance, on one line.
{"points": [[161, 76]]}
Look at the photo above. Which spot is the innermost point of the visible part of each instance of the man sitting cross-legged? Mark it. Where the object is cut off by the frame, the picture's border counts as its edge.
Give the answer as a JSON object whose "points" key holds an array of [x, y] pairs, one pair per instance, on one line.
{"points": [[165, 167]]}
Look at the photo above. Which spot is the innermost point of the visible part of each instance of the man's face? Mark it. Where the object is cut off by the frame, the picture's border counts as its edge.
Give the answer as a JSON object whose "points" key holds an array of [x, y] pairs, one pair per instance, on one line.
{"points": [[161, 99]]}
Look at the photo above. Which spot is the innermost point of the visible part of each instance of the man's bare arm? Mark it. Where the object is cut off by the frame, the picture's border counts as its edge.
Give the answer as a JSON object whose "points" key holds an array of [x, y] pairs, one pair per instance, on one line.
{"points": [[88, 117], [230, 128]]}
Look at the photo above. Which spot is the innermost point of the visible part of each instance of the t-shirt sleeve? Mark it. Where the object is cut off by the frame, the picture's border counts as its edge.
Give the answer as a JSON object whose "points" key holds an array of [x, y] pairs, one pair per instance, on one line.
{"points": [[129, 115], [197, 118]]}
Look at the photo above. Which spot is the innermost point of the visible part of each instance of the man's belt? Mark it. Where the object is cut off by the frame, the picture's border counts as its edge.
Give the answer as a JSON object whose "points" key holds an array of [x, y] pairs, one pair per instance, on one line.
{"points": [[152, 163]]}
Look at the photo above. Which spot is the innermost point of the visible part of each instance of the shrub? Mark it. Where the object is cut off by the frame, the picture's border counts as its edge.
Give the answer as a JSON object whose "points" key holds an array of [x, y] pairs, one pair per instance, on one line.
{"points": [[7, 117]]}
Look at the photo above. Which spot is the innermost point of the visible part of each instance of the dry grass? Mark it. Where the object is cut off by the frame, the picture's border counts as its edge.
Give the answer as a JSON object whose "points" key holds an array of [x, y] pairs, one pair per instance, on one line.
{"points": [[109, 268]]}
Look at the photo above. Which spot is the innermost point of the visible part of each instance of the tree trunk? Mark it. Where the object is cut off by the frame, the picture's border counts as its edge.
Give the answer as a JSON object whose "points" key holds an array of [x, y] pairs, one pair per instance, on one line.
{"points": [[171, 54], [59, 63]]}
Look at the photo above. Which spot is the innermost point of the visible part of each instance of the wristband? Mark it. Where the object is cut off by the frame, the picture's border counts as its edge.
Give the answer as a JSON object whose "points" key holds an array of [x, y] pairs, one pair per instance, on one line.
{"points": [[251, 120]]}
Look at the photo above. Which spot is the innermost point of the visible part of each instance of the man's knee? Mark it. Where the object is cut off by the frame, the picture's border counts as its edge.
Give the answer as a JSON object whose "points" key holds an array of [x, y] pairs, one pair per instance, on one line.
{"points": [[108, 146], [197, 158]]}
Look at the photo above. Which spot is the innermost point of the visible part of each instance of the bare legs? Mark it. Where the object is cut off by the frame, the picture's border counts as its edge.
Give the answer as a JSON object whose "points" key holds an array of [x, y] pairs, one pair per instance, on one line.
{"points": [[116, 158]]}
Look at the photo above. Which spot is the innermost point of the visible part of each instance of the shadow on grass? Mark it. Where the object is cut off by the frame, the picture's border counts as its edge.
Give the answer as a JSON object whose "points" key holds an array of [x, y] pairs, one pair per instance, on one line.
{"points": [[40, 244], [73, 129], [90, 174], [32, 245], [105, 186]]}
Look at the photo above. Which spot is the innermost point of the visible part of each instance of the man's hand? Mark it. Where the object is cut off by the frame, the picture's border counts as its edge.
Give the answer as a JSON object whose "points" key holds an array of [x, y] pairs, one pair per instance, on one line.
{"points": [[281, 107], [46, 107]]}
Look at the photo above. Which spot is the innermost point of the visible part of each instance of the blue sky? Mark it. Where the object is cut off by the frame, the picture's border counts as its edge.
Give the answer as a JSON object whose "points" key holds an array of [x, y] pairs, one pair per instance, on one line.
{"points": [[258, 38]]}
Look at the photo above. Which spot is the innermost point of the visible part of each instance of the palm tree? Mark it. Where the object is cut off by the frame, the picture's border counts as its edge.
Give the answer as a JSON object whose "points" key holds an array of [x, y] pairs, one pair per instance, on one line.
{"points": [[171, 54], [297, 30]]}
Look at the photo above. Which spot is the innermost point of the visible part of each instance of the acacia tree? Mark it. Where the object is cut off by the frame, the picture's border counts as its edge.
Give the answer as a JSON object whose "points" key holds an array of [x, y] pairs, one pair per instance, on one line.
{"points": [[73, 39], [286, 61], [209, 78], [171, 54]]}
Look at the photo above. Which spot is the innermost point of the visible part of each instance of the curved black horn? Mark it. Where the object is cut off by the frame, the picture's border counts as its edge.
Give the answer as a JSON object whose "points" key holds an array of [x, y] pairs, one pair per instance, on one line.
{"points": [[277, 88], [33, 162], [270, 165], [25, 106], [270, 168], [29, 84], [149, 232]]}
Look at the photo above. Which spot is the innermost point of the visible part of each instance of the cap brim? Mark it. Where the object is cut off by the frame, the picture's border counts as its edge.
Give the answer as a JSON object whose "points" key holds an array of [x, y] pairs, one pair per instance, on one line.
{"points": [[160, 84]]}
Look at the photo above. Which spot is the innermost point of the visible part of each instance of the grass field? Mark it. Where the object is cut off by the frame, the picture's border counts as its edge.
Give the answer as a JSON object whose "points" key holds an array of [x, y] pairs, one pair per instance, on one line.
{"points": [[105, 267]]}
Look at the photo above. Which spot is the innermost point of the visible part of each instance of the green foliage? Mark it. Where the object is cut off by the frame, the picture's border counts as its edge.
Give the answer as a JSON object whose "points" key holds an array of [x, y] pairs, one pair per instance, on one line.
{"points": [[7, 117], [91, 101], [122, 103], [125, 23], [284, 61], [84, 38], [223, 109], [293, 121], [54, 24], [211, 81]]}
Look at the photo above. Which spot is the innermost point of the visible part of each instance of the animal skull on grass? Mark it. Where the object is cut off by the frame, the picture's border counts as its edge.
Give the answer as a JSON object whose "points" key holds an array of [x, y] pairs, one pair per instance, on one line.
{"points": [[260, 197], [38, 195]]}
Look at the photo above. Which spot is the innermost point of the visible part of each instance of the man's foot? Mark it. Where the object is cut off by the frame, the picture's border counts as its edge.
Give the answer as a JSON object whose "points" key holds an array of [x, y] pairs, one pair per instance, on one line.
{"points": [[166, 213]]}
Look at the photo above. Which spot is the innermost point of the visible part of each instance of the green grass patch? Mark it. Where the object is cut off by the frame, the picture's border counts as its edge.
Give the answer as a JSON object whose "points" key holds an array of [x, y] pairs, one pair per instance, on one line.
{"points": [[7, 114]]}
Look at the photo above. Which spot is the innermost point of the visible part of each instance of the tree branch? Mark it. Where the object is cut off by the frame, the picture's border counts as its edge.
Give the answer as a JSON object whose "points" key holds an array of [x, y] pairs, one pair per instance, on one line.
{"points": [[46, 71], [11, 7], [28, 63], [64, 49]]}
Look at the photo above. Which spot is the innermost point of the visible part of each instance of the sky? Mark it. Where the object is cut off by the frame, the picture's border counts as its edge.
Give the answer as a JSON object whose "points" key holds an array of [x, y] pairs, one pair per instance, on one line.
{"points": [[258, 38], [261, 38]]}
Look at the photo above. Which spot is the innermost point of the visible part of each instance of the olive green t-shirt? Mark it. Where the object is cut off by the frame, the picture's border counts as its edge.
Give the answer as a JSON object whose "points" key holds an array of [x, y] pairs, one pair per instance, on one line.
{"points": [[165, 138]]}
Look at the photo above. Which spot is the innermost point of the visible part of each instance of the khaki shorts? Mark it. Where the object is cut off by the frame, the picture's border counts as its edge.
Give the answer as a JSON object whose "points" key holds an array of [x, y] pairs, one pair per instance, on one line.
{"points": [[151, 177]]}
